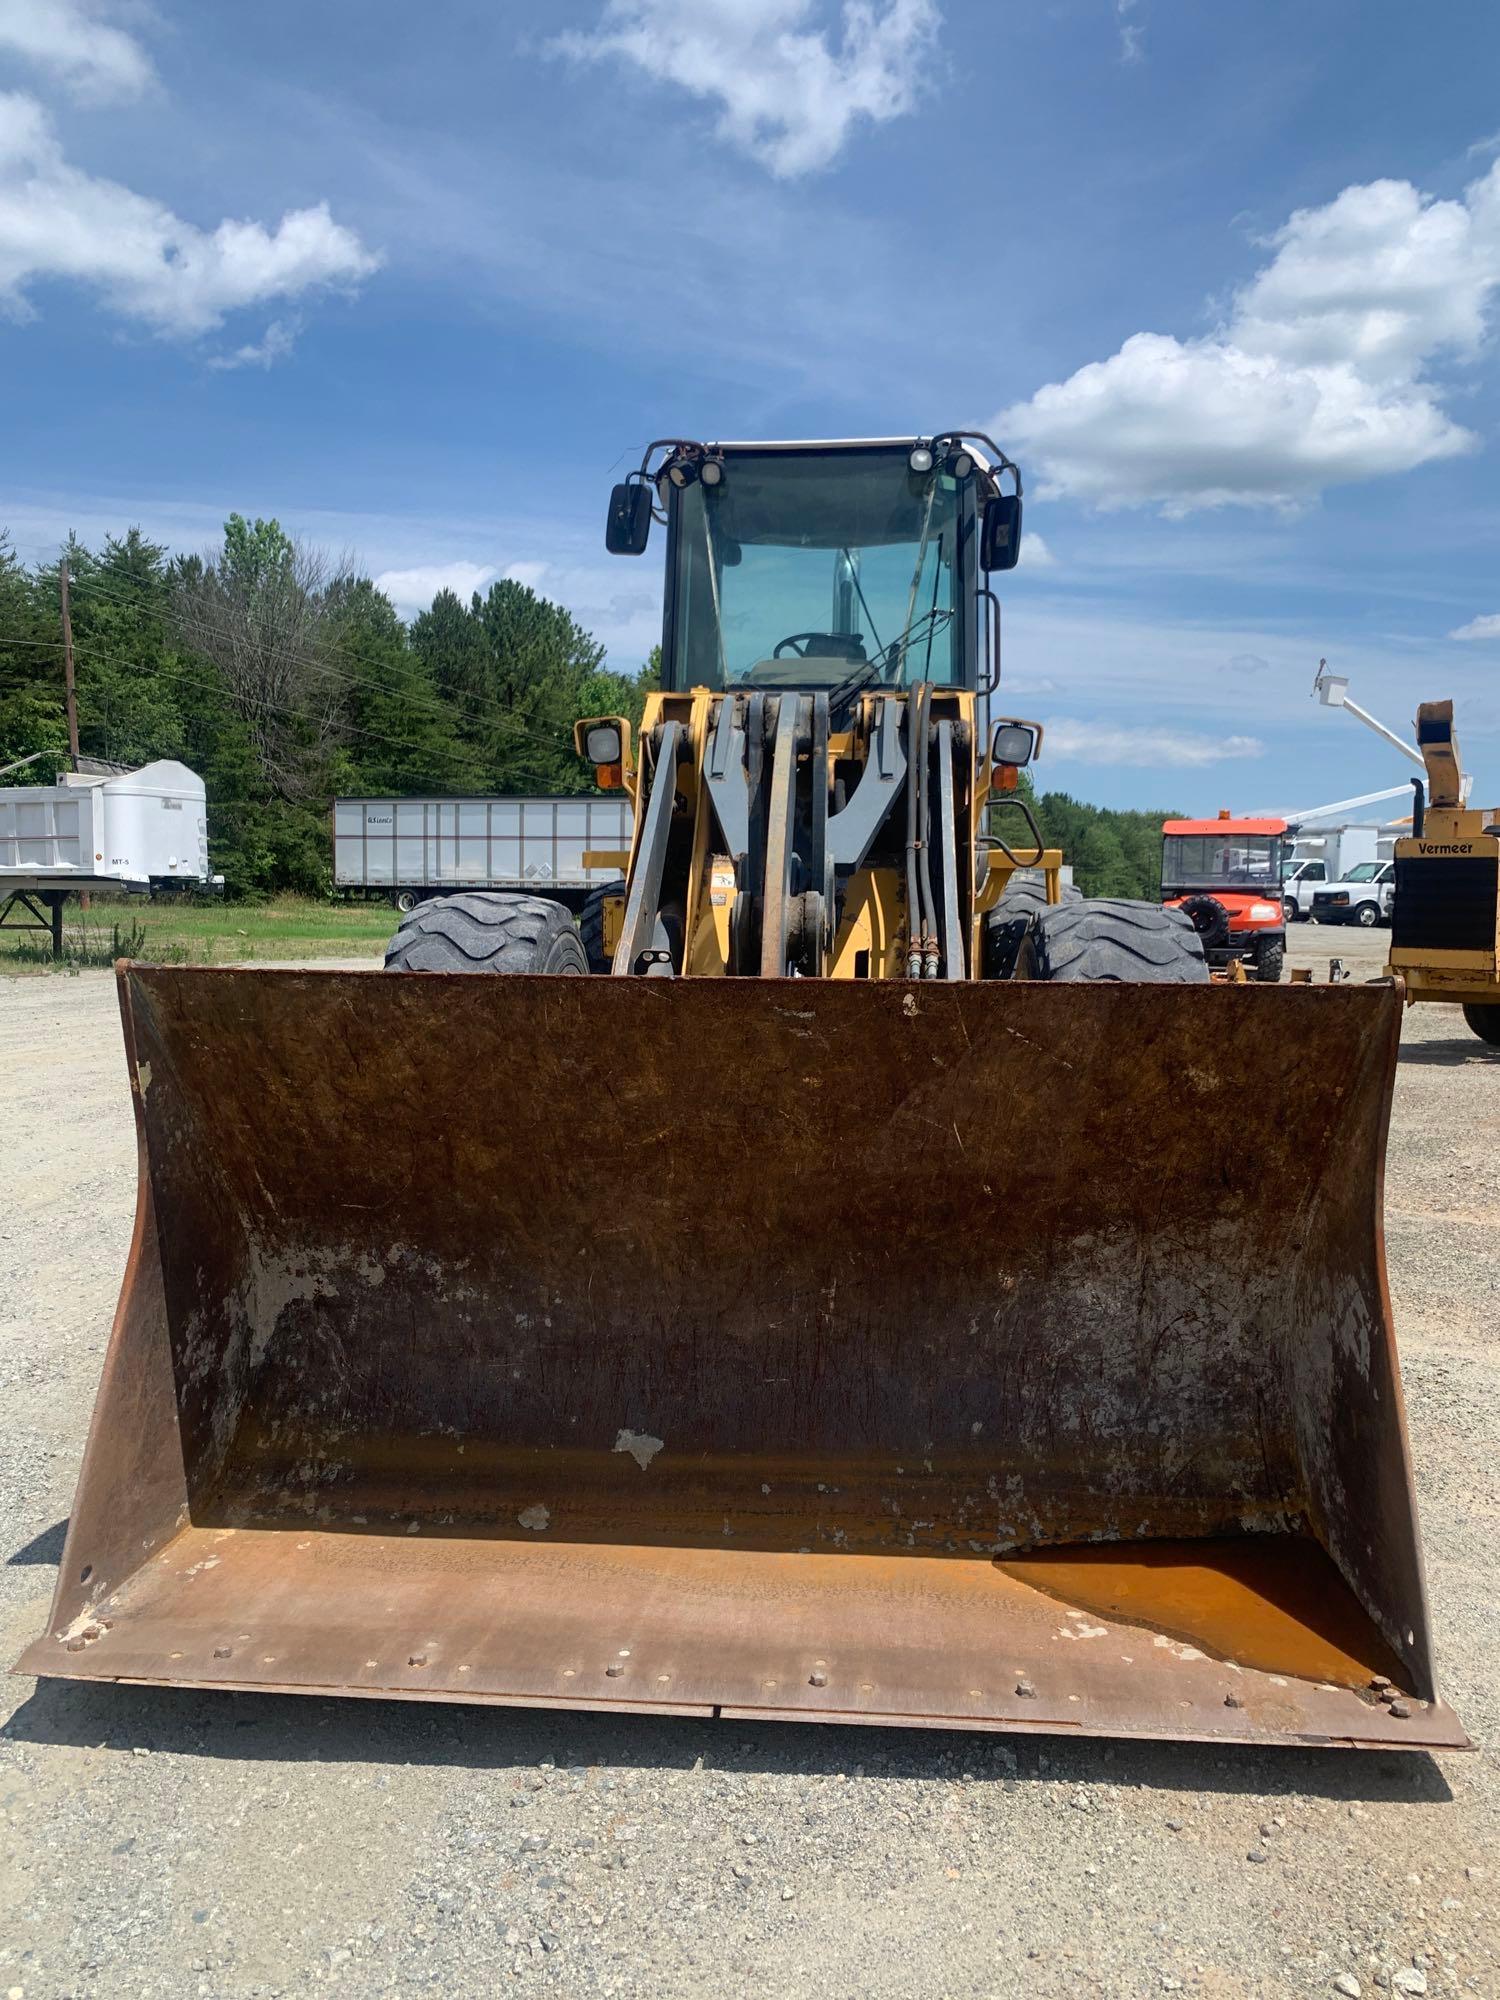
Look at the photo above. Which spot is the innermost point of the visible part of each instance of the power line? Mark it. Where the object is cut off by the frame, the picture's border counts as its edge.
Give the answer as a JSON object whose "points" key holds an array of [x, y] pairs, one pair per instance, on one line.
{"points": [[506, 727], [453, 758], [350, 728], [444, 705]]}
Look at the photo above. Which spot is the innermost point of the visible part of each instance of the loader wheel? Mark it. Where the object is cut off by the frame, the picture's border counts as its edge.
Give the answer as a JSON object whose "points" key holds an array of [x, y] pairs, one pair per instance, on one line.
{"points": [[487, 933], [1105, 937], [1484, 1018], [1008, 927], [591, 925], [1029, 894]]}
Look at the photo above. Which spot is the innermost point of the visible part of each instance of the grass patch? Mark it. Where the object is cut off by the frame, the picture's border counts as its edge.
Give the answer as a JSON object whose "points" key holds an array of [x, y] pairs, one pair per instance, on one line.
{"points": [[173, 932]]}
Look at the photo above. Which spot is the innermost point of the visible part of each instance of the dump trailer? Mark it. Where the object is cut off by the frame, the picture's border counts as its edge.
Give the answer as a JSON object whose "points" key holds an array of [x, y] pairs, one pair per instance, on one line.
{"points": [[891, 1289], [410, 849], [1445, 917]]}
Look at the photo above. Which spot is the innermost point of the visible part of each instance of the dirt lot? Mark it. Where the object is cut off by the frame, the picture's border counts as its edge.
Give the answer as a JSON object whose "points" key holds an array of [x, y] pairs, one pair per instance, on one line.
{"points": [[159, 1843]]}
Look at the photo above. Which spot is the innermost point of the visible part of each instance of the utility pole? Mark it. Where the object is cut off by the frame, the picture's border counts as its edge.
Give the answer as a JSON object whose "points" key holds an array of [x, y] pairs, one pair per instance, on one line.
{"points": [[71, 695], [67, 629]]}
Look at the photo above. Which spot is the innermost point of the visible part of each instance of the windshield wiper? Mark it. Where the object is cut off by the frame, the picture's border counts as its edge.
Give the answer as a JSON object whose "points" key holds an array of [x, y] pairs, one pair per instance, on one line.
{"points": [[875, 668]]}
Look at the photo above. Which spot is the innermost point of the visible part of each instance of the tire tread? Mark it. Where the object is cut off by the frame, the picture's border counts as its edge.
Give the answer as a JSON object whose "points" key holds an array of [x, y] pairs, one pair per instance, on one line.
{"points": [[1113, 938], [481, 931]]}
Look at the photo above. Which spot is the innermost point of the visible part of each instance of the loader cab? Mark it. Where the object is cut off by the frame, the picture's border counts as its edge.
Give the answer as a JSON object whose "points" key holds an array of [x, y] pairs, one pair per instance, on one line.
{"points": [[822, 568]]}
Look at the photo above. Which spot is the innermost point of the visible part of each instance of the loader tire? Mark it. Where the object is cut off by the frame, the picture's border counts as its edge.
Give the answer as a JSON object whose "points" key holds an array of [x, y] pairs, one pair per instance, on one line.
{"points": [[591, 925], [1107, 937], [487, 933], [1484, 1018], [1008, 926]]}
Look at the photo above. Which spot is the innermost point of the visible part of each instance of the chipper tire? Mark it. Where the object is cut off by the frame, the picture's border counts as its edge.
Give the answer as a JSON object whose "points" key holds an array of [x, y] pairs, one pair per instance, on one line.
{"points": [[487, 933], [1484, 1018], [1109, 938]]}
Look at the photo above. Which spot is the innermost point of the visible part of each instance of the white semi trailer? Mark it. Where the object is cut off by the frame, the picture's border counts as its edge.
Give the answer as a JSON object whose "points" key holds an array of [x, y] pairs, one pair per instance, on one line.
{"points": [[409, 849]]}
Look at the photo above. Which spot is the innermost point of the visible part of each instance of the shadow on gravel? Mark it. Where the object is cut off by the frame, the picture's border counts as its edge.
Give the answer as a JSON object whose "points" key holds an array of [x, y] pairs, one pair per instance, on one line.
{"points": [[1449, 1055], [302, 1729], [47, 1547]]}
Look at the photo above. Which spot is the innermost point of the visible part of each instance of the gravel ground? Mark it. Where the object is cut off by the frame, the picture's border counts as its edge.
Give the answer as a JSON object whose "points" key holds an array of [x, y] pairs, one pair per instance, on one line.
{"points": [[168, 1843]]}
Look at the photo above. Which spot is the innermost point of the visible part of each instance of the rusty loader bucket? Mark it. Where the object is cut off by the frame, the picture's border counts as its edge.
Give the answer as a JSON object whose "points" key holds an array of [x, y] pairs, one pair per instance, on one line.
{"points": [[991, 1356]]}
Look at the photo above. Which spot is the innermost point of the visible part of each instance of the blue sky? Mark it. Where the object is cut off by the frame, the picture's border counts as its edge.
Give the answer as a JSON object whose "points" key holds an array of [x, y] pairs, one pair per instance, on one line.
{"points": [[418, 280]]}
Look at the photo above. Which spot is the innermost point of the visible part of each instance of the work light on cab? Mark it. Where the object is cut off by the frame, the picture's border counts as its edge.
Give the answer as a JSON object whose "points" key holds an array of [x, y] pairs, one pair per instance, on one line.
{"points": [[602, 741]]}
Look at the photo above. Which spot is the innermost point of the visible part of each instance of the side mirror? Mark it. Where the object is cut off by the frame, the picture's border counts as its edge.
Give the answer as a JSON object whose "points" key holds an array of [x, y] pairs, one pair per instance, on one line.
{"points": [[1000, 538], [628, 528]]}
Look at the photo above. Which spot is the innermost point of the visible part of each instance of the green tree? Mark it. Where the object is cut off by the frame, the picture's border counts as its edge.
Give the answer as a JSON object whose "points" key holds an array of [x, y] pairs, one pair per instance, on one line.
{"points": [[31, 675]]}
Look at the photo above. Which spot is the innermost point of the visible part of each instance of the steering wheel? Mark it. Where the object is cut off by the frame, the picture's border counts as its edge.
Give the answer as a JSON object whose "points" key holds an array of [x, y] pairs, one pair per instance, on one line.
{"points": [[834, 645]]}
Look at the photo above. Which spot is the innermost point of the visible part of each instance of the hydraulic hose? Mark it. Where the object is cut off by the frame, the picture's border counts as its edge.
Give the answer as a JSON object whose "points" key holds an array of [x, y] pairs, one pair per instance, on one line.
{"points": [[913, 896], [924, 834]]}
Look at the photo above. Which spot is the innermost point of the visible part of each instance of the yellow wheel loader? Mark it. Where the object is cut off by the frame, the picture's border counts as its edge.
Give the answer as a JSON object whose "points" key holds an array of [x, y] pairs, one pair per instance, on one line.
{"points": [[879, 1286], [1445, 920]]}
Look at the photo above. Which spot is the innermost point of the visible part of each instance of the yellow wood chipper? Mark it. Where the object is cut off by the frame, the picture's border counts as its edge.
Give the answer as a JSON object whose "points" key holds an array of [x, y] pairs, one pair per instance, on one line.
{"points": [[1445, 920]]}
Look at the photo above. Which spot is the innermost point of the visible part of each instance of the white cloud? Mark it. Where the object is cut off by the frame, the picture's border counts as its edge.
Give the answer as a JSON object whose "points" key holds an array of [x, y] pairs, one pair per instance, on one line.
{"points": [[414, 589], [146, 263], [274, 345], [1150, 749], [1487, 627], [788, 92], [1317, 376], [1132, 34], [1035, 553], [95, 61]]}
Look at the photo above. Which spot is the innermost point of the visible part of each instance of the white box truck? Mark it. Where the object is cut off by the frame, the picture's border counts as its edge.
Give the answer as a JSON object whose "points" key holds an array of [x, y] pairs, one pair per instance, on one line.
{"points": [[1328, 856]]}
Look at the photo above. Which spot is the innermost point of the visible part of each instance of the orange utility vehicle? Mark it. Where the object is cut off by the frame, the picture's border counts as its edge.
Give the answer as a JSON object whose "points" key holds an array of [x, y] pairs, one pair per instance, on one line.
{"points": [[1226, 874]]}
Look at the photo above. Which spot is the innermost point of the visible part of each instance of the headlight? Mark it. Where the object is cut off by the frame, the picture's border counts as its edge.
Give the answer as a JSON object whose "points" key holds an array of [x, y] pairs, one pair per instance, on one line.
{"points": [[1263, 913], [1014, 743], [602, 743], [919, 458]]}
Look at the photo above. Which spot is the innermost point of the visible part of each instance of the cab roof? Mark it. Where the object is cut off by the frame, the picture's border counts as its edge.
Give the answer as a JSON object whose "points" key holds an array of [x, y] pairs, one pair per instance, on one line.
{"points": [[1224, 826]]}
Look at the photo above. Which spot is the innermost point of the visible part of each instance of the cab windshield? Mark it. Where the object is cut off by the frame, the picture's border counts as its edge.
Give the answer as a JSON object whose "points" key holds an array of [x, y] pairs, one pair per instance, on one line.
{"points": [[818, 570], [1221, 860], [1365, 872]]}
